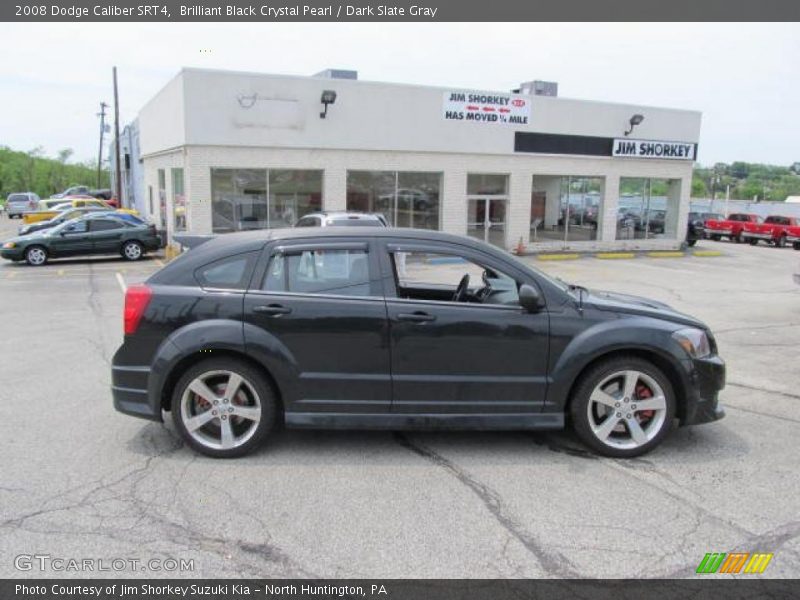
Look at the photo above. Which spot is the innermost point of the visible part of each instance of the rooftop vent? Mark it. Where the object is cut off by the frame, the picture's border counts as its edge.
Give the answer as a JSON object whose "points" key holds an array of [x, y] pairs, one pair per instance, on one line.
{"points": [[539, 88], [337, 74]]}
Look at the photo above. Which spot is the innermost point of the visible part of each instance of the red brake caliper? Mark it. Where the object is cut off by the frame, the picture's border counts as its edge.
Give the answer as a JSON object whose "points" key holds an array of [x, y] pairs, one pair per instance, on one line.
{"points": [[643, 392]]}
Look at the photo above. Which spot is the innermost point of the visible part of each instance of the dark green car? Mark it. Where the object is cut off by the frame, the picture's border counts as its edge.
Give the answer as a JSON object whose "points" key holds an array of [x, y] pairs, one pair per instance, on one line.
{"points": [[99, 233]]}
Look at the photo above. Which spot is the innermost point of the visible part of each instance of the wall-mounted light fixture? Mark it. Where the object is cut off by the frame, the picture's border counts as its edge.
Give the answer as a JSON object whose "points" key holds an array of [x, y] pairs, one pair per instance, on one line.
{"points": [[635, 120], [328, 97]]}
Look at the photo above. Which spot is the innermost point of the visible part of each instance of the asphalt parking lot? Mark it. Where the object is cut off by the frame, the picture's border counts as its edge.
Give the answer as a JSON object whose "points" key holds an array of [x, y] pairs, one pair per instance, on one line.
{"points": [[82, 481]]}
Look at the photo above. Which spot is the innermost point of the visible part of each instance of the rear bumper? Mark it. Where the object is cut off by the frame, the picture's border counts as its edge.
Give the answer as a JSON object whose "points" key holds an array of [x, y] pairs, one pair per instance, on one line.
{"points": [[706, 380], [129, 390], [719, 231], [757, 236]]}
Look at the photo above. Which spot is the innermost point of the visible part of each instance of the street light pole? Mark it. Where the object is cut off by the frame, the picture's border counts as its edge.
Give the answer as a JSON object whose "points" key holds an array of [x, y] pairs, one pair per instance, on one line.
{"points": [[102, 115], [118, 181]]}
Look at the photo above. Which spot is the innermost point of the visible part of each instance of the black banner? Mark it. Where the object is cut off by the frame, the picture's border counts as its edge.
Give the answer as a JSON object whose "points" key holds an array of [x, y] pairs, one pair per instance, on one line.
{"points": [[399, 10], [709, 588]]}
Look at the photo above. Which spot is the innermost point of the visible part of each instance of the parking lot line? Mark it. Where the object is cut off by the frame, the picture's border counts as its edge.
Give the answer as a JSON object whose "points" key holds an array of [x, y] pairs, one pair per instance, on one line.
{"points": [[121, 282]]}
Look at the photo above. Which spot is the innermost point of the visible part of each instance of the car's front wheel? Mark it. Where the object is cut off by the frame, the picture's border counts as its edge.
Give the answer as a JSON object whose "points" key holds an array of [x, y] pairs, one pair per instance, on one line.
{"points": [[36, 256], [132, 250], [223, 407], [623, 407]]}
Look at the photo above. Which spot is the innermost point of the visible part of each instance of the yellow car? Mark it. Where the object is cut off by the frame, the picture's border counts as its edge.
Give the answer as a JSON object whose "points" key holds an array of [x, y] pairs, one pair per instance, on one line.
{"points": [[50, 207]]}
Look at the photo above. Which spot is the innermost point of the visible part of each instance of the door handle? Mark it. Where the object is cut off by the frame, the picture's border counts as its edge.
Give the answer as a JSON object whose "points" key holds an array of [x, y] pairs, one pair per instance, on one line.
{"points": [[416, 317], [272, 310]]}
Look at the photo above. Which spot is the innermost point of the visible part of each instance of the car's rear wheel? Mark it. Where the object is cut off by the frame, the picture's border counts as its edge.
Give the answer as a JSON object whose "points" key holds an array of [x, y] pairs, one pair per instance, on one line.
{"points": [[36, 256], [716, 238], [132, 250], [754, 241], [623, 407], [691, 243], [223, 407], [780, 242], [796, 245], [737, 238]]}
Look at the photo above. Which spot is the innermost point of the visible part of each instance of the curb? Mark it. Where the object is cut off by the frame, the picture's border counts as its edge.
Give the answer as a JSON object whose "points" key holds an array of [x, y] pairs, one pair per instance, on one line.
{"points": [[556, 256]]}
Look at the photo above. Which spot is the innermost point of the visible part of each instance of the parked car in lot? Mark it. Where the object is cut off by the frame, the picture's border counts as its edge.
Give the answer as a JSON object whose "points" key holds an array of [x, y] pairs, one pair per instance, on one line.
{"points": [[319, 328], [342, 218], [775, 229], [17, 204], [64, 215], [74, 202], [96, 233], [731, 227]]}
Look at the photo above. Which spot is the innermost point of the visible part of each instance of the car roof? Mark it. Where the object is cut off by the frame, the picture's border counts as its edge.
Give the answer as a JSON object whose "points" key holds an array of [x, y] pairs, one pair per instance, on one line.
{"points": [[343, 213]]}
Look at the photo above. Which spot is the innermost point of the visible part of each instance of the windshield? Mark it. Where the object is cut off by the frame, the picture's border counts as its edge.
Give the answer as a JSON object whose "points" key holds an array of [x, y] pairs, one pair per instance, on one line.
{"points": [[17, 198]]}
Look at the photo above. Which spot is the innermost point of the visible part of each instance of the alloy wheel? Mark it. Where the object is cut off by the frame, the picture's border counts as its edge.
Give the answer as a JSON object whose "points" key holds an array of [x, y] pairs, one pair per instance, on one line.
{"points": [[133, 251], [36, 256], [627, 409], [220, 409]]}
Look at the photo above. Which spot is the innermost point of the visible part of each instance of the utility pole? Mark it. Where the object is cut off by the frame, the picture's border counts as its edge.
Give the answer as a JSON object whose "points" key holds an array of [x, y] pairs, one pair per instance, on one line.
{"points": [[727, 199], [102, 115], [116, 140]]}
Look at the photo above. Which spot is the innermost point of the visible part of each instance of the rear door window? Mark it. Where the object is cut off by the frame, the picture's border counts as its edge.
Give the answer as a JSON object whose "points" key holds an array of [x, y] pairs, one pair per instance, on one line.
{"points": [[323, 271]]}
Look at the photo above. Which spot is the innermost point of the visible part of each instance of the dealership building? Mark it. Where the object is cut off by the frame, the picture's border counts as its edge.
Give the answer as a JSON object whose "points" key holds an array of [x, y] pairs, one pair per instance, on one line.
{"points": [[226, 151]]}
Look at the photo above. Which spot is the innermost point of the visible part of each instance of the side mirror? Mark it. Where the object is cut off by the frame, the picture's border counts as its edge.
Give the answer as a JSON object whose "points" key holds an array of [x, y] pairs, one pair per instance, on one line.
{"points": [[530, 299]]}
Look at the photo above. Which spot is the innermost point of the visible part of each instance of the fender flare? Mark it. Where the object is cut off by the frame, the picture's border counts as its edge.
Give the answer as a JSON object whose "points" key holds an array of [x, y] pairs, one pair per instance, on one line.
{"points": [[638, 334]]}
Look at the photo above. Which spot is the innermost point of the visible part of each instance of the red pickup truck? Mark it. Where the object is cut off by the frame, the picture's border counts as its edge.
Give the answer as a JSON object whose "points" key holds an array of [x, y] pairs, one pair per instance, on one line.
{"points": [[731, 227], [775, 230]]}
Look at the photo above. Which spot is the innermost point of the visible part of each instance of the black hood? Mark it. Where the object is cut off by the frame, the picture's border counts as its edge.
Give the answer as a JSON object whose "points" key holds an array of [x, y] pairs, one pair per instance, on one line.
{"points": [[625, 303]]}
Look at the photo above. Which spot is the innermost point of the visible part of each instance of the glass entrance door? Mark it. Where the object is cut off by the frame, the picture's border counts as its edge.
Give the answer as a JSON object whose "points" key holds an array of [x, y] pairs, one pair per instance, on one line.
{"points": [[486, 220]]}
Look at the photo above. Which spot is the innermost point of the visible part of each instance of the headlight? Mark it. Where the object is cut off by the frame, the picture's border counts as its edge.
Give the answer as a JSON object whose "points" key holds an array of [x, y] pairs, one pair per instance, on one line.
{"points": [[9, 245], [694, 341]]}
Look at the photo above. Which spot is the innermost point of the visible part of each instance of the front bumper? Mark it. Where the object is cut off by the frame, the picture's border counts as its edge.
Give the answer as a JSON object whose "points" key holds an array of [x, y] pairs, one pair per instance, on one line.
{"points": [[129, 390], [12, 253], [706, 380]]}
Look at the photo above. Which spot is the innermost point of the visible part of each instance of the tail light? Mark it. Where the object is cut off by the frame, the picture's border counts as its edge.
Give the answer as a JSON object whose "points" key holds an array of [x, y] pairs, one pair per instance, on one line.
{"points": [[137, 297]]}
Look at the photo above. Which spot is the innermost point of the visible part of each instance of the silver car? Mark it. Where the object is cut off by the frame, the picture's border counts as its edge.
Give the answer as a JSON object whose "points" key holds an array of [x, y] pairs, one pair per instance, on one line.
{"points": [[17, 204]]}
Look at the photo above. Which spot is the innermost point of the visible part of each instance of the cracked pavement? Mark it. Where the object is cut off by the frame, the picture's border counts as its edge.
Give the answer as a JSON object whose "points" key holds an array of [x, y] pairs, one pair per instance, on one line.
{"points": [[79, 480]]}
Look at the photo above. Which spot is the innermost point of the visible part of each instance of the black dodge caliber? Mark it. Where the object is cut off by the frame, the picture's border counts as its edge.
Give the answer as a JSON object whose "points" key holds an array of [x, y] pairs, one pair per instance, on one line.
{"points": [[395, 329]]}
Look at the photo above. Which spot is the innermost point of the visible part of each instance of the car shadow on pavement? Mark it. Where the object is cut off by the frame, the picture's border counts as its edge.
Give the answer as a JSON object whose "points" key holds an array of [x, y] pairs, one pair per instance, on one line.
{"points": [[687, 445]]}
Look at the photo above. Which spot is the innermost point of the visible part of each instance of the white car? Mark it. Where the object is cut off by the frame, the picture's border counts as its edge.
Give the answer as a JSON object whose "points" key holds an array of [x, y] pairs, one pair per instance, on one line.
{"points": [[19, 203]]}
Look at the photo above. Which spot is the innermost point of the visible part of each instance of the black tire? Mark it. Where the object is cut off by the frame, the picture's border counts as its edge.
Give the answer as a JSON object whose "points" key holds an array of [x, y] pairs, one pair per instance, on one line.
{"points": [[780, 242], [36, 256], [737, 239], [589, 380], [691, 243], [715, 237], [132, 250], [754, 241], [796, 245], [254, 378]]}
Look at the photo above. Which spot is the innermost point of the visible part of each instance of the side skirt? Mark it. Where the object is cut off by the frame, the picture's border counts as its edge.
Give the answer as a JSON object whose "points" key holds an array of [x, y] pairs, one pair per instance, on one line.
{"points": [[296, 420]]}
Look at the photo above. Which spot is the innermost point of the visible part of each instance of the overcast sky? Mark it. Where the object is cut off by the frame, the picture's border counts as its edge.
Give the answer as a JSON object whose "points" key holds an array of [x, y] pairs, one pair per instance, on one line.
{"points": [[743, 77]]}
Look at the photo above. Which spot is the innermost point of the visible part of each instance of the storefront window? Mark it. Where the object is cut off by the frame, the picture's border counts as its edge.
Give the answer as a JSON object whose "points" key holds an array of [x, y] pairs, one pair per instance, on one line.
{"points": [[245, 199], [566, 208], [178, 201], [406, 199], [292, 194], [162, 197], [648, 208]]}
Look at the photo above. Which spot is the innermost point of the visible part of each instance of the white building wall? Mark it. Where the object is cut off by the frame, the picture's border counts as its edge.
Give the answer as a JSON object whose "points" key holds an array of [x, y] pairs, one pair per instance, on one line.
{"points": [[200, 160]]}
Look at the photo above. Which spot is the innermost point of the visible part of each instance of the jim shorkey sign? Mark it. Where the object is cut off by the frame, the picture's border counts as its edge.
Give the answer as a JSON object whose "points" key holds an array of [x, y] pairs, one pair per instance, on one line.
{"points": [[654, 149]]}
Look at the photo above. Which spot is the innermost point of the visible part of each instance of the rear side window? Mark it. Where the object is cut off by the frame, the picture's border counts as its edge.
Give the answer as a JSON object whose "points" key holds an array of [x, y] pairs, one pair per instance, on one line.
{"points": [[105, 224], [336, 272], [230, 273], [308, 222], [18, 198]]}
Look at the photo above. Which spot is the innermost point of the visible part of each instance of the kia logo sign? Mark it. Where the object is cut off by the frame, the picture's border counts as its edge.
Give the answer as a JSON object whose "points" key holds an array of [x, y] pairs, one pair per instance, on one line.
{"points": [[517, 102]]}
